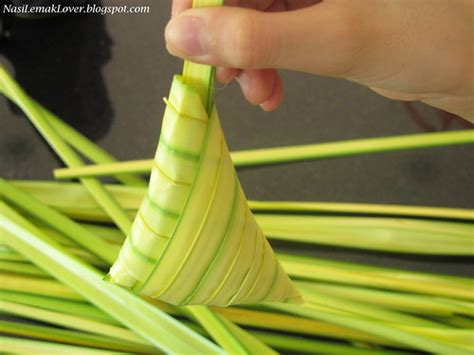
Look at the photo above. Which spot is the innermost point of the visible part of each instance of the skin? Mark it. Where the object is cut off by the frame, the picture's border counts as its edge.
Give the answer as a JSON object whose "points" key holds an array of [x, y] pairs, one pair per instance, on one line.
{"points": [[402, 49]]}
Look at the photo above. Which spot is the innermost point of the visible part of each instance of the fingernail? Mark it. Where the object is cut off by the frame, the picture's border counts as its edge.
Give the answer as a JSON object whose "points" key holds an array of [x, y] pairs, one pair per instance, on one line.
{"points": [[265, 106], [185, 35]]}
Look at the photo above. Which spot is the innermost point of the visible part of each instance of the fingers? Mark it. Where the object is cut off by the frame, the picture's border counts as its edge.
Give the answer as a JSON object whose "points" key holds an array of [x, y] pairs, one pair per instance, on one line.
{"points": [[316, 39], [262, 87], [393, 45], [241, 38], [405, 49], [259, 86], [276, 97]]}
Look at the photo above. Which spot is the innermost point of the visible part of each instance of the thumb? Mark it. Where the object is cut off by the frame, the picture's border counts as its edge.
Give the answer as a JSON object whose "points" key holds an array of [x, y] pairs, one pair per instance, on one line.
{"points": [[313, 39]]}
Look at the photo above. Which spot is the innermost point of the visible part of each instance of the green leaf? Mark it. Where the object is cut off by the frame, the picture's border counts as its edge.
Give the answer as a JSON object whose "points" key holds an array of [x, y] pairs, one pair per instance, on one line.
{"points": [[70, 307], [394, 235], [64, 151], [405, 302], [376, 328], [303, 267], [68, 196], [71, 321], [26, 346], [73, 337], [160, 329], [57, 221], [279, 155]]}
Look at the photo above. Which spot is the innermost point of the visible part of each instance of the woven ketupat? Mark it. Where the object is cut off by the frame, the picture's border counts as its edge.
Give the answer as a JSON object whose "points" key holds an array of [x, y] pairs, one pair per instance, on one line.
{"points": [[194, 239]]}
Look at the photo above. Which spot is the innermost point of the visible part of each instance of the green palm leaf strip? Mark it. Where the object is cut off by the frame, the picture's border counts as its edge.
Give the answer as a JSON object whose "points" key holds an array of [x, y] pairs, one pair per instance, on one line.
{"points": [[73, 337], [72, 321], [286, 343], [279, 155], [361, 310], [194, 240], [409, 303], [46, 287], [20, 267], [25, 346], [29, 295], [414, 326], [385, 316], [81, 143], [155, 326], [336, 303], [363, 209], [241, 341], [381, 278], [194, 217], [378, 277], [64, 151], [59, 222], [65, 306], [400, 235], [374, 233], [377, 328], [314, 269], [66, 196], [221, 334], [424, 305]]}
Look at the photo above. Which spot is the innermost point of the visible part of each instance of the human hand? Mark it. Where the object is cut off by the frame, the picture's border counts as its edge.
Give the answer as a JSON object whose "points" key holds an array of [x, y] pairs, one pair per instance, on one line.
{"points": [[404, 49]]}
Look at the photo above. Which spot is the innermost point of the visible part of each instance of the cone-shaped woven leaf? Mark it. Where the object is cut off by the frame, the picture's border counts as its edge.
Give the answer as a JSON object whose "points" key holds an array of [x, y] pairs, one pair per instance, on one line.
{"points": [[194, 239]]}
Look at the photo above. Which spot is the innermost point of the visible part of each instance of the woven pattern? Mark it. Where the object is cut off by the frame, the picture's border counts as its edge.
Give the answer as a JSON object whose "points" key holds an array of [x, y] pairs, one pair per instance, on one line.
{"points": [[194, 239]]}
